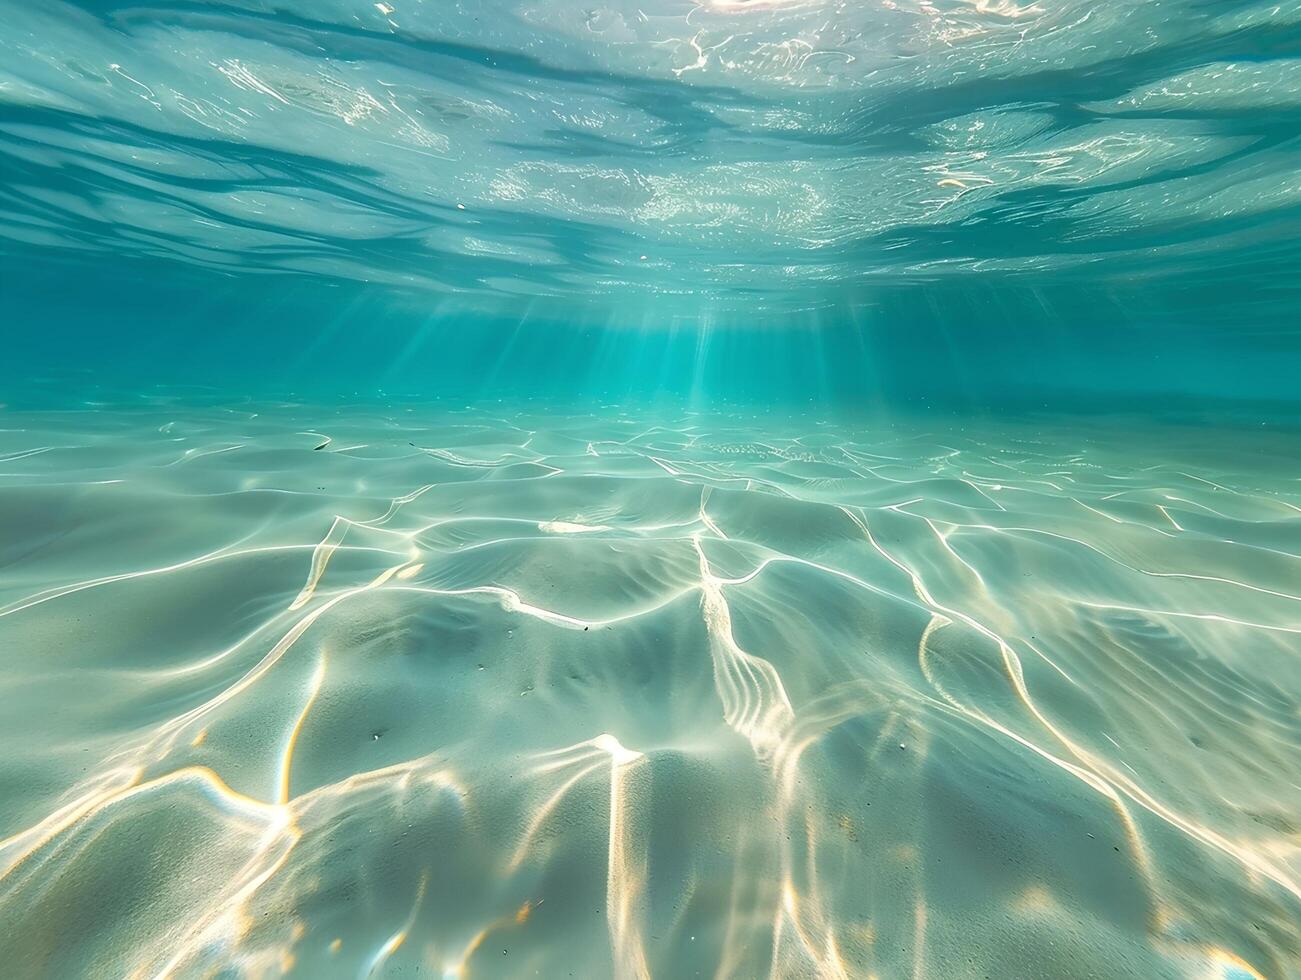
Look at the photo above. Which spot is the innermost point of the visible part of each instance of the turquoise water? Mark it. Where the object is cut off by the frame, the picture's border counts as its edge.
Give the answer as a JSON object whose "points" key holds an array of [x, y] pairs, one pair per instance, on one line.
{"points": [[722, 488]]}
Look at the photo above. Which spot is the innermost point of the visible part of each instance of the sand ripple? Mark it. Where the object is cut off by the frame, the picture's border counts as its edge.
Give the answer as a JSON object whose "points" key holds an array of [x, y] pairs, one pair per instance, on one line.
{"points": [[341, 692]]}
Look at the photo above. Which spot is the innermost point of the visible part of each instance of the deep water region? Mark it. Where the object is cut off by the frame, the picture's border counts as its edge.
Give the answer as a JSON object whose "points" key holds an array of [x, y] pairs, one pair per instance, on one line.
{"points": [[690, 488]]}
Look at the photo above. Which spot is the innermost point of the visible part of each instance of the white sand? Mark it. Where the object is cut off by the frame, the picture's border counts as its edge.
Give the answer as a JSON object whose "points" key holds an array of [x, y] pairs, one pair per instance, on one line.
{"points": [[682, 697]]}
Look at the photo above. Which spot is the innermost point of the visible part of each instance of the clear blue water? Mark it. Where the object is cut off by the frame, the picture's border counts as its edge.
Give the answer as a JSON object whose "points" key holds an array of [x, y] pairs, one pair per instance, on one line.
{"points": [[966, 200], [669, 488]]}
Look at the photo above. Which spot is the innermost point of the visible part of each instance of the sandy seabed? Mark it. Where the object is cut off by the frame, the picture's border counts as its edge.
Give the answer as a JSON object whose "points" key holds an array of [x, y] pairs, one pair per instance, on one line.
{"points": [[408, 691]]}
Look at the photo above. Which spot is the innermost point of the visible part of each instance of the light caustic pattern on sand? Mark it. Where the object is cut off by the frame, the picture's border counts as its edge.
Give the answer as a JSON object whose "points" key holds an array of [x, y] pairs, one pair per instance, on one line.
{"points": [[611, 696]]}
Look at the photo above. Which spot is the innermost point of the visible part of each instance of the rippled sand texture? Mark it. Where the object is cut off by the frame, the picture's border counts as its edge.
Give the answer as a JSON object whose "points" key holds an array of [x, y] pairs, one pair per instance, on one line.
{"points": [[351, 693]]}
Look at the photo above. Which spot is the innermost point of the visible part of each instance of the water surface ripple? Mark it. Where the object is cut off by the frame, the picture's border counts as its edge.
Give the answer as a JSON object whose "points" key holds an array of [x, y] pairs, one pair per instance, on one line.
{"points": [[770, 153]]}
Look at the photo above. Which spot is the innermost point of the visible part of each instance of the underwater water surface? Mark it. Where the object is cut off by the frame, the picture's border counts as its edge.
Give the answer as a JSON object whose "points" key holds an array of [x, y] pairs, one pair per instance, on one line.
{"points": [[679, 488]]}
